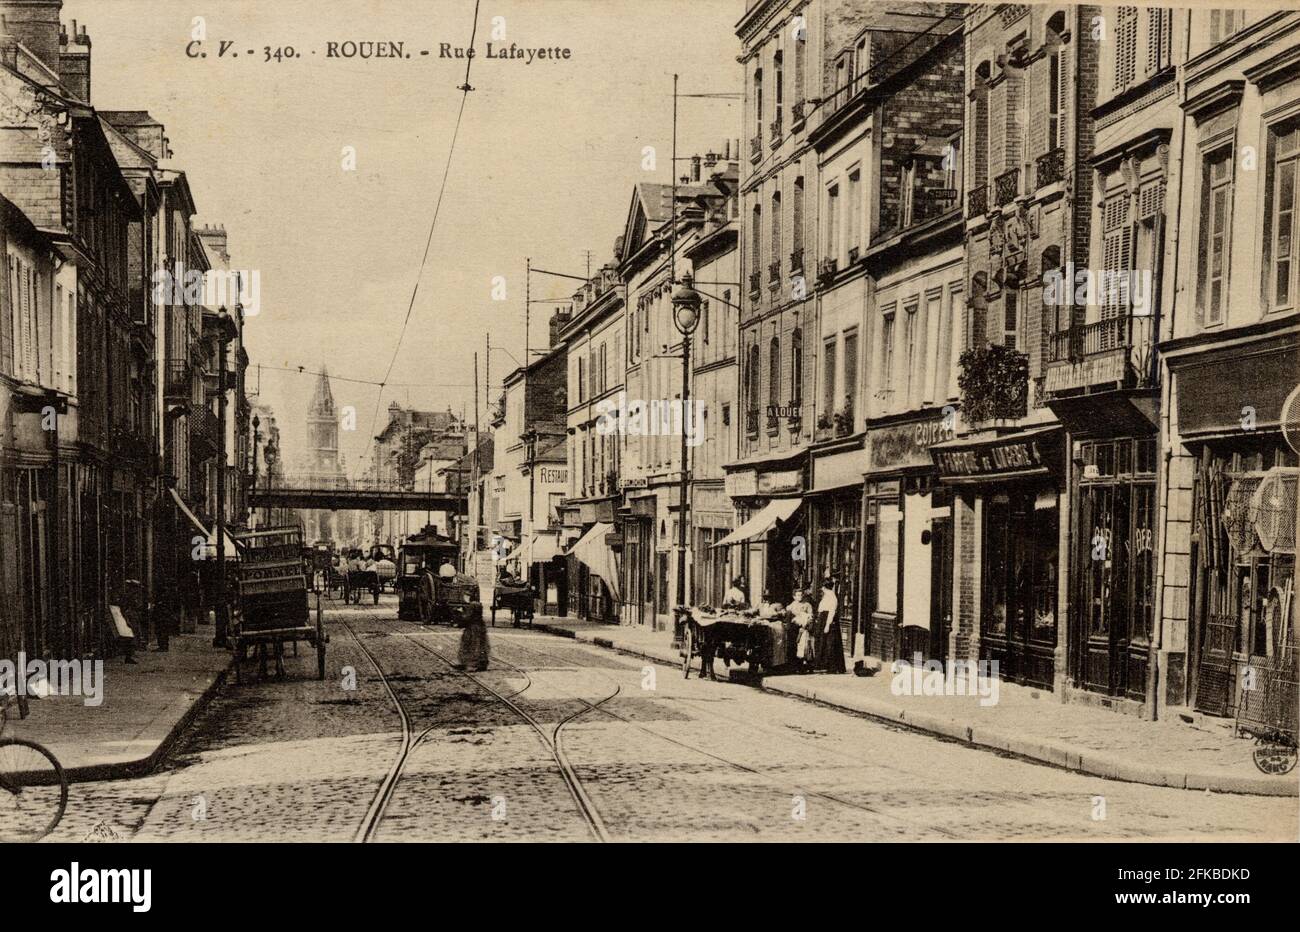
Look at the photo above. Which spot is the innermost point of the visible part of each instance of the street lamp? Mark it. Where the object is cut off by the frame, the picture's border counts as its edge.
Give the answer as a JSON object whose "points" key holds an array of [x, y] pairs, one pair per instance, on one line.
{"points": [[257, 437], [226, 333], [686, 317]]}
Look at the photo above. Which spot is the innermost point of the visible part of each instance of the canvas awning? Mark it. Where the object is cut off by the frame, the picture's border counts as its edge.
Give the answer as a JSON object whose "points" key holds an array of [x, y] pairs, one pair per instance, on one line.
{"points": [[779, 509], [539, 548], [210, 551], [595, 554]]}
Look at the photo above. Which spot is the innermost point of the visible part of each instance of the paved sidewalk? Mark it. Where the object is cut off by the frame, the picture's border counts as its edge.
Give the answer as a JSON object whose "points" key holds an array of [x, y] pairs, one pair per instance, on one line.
{"points": [[1026, 722], [145, 708]]}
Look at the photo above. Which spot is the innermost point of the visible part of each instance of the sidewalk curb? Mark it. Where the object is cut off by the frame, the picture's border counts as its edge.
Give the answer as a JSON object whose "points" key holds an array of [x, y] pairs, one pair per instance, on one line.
{"points": [[166, 731], [1054, 754]]}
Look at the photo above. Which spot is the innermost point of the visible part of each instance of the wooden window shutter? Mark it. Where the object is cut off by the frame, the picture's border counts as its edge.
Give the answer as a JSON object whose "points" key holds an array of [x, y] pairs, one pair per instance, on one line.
{"points": [[1151, 200], [1063, 85], [7, 310], [1125, 47], [29, 323], [1158, 38]]}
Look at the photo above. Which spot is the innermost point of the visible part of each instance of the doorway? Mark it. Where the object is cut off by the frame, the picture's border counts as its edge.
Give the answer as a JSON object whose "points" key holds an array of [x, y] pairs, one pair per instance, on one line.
{"points": [[1018, 617]]}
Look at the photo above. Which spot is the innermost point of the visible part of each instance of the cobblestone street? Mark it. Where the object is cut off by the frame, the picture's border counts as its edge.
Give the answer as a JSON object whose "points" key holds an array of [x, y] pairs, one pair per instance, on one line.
{"points": [[653, 756]]}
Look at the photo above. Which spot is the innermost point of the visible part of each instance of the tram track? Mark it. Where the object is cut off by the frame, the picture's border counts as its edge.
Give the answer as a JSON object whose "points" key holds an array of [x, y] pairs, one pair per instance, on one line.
{"points": [[733, 721], [744, 768], [375, 811], [410, 741], [553, 741]]}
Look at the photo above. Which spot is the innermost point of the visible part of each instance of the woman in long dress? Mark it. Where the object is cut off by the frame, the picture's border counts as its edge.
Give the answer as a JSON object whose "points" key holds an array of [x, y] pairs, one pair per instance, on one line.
{"points": [[474, 646], [830, 645]]}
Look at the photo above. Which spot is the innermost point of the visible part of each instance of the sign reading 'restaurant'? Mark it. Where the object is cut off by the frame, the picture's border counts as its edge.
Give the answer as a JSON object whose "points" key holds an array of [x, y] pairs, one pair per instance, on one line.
{"points": [[1015, 454]]}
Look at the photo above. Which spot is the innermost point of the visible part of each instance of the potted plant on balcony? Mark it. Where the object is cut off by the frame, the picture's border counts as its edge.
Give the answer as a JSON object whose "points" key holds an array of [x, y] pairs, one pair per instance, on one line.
{"points": [[824, 425], [843, 422], [994, 381]]}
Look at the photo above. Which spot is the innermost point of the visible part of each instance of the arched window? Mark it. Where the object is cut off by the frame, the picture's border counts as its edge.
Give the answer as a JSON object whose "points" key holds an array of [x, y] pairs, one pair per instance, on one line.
{"points": [[980, 122], [1058, 79], [778, 89], [776, 236], [751, 389], [774, 372], [796, 367]]}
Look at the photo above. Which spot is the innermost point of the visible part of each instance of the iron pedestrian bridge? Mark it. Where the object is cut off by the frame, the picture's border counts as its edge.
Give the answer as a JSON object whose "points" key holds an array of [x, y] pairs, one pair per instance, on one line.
{"points": [[360, 495]]}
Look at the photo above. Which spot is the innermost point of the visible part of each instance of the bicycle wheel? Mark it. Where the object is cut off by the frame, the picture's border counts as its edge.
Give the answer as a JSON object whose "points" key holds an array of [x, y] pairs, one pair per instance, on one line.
{"points": [[33, 791]]}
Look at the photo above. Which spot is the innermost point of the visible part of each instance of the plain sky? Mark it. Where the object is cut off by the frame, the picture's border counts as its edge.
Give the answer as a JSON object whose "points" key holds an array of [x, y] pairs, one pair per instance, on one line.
{"points": [[544, 166]]}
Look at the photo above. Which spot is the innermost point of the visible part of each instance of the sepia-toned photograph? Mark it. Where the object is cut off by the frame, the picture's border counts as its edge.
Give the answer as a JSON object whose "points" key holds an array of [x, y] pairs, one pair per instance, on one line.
{"points": [[648, 421]]}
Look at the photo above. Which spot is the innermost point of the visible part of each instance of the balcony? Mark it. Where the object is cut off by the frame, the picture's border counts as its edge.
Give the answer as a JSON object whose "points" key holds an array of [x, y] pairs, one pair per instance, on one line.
{"points": [[756, 148], [1112, 352], [1007, 186], [977, 201], [755, 283], [751, 422], [774, 273], [176, 380], [774, 132], [854, 253], [796, 113], [1050, 167], [827, 268], [796, 261]]}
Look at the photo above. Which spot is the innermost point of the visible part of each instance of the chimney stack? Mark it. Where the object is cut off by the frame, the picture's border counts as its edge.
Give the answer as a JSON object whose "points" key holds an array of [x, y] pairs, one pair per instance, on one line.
{"points": [[35, 25], [559, 320], [695, 169], [74, 61]]}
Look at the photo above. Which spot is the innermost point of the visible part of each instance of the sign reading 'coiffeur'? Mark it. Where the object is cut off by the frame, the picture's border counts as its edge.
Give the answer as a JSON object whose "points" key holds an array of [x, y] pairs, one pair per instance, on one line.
{"points": [[1019, 453], [905, 445]]}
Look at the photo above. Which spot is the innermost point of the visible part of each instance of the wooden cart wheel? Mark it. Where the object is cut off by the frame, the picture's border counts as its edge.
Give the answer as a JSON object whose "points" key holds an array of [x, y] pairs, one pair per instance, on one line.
{"points": [[688, 648]]}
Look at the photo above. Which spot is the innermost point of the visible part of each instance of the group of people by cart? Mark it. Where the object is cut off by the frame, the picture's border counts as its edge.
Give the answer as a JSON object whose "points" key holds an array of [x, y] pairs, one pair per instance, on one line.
{"points": [[808, 638]]}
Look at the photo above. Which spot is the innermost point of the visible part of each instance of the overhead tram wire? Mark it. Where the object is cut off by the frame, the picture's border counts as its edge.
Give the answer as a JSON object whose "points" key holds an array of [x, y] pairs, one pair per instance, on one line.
{"points": [[451, 149]]}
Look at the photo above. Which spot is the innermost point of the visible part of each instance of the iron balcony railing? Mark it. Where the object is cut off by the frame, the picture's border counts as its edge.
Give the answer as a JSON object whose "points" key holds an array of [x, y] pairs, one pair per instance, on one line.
{"points": [[977, 201], [1008, 186], [755, 282], [751, 422], [1081, 340], [774, 131], [796, 261], [796, 112], [1050, 167], [773, 272], [756, 147]]}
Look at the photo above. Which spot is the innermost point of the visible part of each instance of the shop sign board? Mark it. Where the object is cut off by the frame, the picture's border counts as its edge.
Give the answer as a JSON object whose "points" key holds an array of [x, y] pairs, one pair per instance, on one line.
{"points": [[908, 445], [1029, 451]]}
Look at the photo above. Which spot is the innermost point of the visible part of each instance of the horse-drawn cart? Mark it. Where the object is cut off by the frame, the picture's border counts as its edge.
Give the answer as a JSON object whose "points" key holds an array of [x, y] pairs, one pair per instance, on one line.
{"points": [[514, 598], [273, 605]]}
